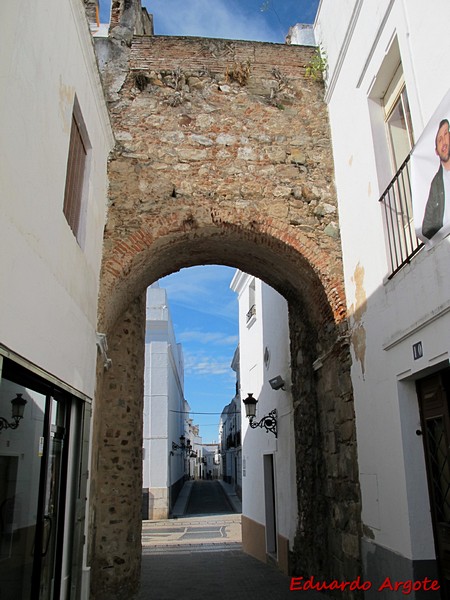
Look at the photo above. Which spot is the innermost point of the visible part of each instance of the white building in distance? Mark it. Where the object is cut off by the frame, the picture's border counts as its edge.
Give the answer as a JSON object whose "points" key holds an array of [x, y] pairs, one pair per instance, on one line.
{"points": [[166, 412], [269, 498], [230, 436]]}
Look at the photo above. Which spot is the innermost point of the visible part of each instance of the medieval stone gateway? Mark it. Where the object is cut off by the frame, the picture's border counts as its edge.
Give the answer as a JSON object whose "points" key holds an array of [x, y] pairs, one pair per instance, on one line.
{"points": [[223, 156]]}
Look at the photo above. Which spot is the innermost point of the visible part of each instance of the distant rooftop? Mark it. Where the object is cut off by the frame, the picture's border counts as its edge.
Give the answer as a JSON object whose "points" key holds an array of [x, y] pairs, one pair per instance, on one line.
{"points": [[301, 34]]}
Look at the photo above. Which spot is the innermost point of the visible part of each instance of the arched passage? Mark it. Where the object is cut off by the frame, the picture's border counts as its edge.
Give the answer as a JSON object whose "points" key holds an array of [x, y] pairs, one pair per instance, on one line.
{"points": [[223, 157], [307, 271], [247, 239]]}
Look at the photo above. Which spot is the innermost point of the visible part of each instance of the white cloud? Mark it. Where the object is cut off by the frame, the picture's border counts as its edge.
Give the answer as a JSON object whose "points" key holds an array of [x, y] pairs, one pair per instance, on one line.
{"points": [[197, 288], [202, 364], [216, 338], [210, 18]]}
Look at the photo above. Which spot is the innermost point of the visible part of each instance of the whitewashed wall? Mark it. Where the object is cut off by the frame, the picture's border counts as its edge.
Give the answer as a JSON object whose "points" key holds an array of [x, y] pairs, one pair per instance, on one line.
{"points": [[165, 409], [413, 306], [48, 304], [267, 329]]}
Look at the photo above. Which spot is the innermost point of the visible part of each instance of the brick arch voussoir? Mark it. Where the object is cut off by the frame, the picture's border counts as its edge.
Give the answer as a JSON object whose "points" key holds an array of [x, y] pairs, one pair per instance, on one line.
{"points": [[290, 260]]}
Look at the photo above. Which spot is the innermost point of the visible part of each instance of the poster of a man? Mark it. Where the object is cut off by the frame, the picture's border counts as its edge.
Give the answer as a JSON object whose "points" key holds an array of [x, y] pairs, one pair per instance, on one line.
{"points": [[430, 178], [440, 185]]}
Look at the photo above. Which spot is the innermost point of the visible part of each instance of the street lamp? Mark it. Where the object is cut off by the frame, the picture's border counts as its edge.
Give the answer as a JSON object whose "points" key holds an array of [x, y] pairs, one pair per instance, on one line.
{"points": [[17, 409], [269, 422], [184, 445]]}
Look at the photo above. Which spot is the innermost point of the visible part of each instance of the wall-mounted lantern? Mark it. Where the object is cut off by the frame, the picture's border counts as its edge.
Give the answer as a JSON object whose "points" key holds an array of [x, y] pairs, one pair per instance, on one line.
{"points": [[17, 409], [184, 445], [269, 422]]}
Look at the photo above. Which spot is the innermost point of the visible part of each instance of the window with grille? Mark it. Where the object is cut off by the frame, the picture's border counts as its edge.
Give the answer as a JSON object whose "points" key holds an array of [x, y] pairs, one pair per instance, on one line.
{"points": [[401, 237], [77, 160], [393, 140]]}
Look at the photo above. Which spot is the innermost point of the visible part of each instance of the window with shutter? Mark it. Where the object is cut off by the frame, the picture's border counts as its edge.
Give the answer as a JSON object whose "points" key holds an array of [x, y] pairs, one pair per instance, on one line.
{"points": [[76, 174]]}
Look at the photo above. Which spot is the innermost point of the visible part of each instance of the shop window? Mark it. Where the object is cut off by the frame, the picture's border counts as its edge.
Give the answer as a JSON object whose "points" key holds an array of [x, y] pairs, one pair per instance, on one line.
{"points": [[42, 511]]}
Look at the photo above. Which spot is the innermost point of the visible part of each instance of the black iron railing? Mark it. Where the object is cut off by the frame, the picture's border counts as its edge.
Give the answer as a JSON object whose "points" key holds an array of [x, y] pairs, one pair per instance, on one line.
{"points": [[402, 240]]}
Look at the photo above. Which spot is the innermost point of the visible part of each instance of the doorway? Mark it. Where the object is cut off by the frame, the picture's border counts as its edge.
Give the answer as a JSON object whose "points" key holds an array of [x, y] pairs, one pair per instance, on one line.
{"points": [[270, 509], [434, 394], [39, 477]]}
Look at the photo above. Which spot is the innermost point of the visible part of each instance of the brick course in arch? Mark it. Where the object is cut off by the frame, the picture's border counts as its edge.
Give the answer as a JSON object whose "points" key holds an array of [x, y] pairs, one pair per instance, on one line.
{"points": [[223, 156], [200, 235]]}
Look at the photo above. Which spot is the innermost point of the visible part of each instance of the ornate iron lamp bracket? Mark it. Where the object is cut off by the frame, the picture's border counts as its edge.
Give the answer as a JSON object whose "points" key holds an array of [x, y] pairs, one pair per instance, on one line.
{"points": [[269, 422]]}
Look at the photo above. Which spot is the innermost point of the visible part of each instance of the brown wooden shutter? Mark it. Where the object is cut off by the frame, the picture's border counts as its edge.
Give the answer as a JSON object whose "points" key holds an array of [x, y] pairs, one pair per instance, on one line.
{"points": [[74, 178]]}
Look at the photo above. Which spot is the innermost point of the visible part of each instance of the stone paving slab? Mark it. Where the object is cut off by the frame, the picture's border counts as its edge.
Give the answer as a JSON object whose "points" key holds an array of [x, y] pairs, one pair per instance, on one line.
{"points": [[209, 529]]}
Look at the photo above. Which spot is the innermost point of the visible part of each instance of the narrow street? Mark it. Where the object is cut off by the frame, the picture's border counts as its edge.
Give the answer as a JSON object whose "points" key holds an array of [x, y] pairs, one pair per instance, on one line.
{"points": [[199, 556], [208, 497]]}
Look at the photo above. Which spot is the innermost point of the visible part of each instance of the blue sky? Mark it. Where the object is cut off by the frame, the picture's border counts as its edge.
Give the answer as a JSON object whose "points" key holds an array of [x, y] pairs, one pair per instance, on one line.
{"points": [[258, 20], [205, 318]]}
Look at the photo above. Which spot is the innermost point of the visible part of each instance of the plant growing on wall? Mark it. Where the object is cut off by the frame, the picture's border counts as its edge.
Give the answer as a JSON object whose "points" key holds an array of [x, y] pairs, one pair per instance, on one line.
{"points": [[318, 64], [281, 85], [238, 72]]}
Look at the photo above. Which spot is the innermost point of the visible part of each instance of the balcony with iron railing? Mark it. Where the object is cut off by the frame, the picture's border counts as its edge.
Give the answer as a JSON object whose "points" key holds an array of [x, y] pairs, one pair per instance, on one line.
{"points": [[403, 243]]}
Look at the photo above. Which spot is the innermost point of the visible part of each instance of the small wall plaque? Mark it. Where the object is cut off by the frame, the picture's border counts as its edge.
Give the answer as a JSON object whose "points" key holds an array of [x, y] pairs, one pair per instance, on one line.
{"points": [[417, 350]]}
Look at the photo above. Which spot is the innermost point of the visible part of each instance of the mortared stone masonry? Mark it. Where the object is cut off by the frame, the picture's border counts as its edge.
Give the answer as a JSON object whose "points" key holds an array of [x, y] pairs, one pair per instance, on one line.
{"points": [[223, 156]]}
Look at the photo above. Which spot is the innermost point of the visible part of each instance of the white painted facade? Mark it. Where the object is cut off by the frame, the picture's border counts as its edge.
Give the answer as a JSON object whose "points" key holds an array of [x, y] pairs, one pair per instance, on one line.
{"points": [[364, 44], [166, 411], [49, 279], [210, 461], [230, 436], [194, 459], [301, 34], [265, 354]]}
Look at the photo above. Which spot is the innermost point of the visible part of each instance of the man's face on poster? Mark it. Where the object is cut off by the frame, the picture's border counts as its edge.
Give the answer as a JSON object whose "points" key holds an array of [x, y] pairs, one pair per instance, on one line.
{"points": [[442, 143]]}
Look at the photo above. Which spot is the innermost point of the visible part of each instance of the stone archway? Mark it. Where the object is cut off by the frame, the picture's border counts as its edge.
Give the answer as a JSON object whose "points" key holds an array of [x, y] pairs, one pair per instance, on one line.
{"points": [[223, 157]]}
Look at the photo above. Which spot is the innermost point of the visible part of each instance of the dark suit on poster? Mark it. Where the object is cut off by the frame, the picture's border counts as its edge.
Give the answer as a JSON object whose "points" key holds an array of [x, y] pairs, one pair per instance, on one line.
{"points": [[434, 211]]}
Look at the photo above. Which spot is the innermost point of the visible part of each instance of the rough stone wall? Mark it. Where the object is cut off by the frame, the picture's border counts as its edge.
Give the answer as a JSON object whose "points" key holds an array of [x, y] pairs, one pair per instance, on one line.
{"points": [[115, 516], [219, 128], [223, 157], [326, 453]]}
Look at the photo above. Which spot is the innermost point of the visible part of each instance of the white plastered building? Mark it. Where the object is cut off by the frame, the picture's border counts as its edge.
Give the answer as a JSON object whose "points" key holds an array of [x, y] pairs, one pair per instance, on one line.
{"points": [[386, 77], [269, 497], [230, 436], [166, 412], [55, 138]]}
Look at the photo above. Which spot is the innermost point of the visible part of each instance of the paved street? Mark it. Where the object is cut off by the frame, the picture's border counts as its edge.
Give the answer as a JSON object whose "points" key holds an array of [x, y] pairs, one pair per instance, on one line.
{"points": [[198, 556], [189, 534], [207, 574], [208, 497]]}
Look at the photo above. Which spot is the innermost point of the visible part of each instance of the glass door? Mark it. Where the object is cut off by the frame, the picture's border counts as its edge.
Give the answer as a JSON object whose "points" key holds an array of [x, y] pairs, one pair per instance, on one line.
{"points": [[20, 459], [433, 393], [51, 505], [33, 467]]}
